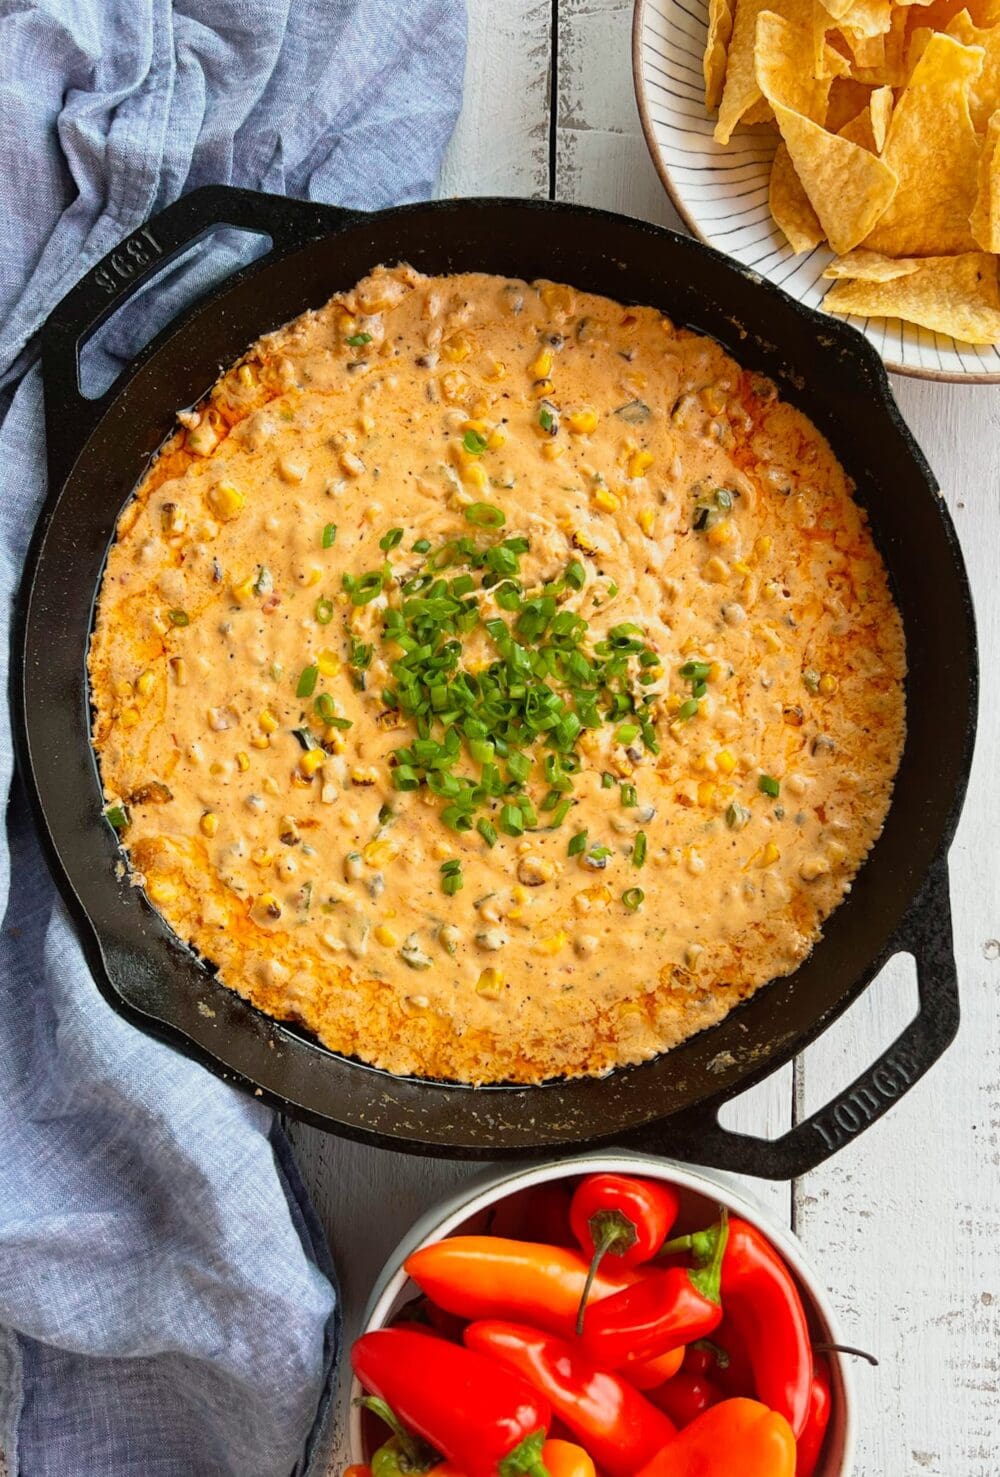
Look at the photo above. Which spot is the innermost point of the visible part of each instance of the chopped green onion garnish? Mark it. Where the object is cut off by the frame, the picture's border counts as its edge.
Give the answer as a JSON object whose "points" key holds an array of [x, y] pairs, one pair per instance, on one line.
{"points": [[576, 575], [324, 611], [511, 820], [452, 880], [178, 617], [390, 540], [768, 785], [633, 898], [329, 535], [607, 780], [422, 546], [485, 515], [356, 340], [306, 685], [117, 816], [487, 830], [688, 709], [577, 843], [626, 733], [324, 708], [629, 796], [547, 420], [639, 849], [405, 777], [474, 443]]}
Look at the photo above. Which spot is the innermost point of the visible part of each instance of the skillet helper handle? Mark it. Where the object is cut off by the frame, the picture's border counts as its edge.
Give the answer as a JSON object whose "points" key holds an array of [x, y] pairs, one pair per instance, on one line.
{"points": [[926, 933], [70, 415]]}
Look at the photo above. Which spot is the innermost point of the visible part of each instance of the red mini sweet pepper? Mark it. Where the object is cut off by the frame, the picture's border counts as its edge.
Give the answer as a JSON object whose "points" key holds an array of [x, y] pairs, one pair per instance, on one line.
{"points": [[661, 1311], [628, 1217], [620, 1428], [486, 1420], [686, 1396], [763, 1305], [811, 1441]]}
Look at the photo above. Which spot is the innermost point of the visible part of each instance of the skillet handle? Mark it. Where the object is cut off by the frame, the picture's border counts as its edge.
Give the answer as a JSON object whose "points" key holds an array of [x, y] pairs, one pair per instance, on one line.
{"points": [[926, 933], [70, 415]]}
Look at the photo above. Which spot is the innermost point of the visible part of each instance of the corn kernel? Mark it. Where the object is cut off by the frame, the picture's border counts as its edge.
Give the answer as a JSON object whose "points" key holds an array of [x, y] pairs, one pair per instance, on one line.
{"points": [[351, 464], [457, 348], [226, 501], [475, 425], [542, 366], [715, 570], [770, 638], [706, 792], [762, 546], [607, 501], [725, 761], [123, 689], [441, 851], [553, 943], [178, 667], [556, 297], [328, 662], [453, 386], [159, 890], [836, 851], [552, 451], [268, 722], [582, 540], [639, 464], [474, 475], [768, 855], [646, 519], [312, 760], [209, 823], [243, 761], [384, 935], [261, 857], [582, 422], [245, 375], [145, 684], [720, 535], [541, 388], [828, 684], [260, 741], [377, 853], [496, 370], [244, 590], [490, 984], [348, 325], [496, 439], [129, 718]]}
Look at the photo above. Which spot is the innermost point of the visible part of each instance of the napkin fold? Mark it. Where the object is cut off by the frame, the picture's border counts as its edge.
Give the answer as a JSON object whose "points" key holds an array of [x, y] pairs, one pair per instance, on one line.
{"points": [[167, 1305]]}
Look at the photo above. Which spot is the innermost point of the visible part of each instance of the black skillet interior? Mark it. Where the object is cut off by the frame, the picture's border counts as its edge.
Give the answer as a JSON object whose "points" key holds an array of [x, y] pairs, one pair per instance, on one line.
{"points": [[99, 449]]}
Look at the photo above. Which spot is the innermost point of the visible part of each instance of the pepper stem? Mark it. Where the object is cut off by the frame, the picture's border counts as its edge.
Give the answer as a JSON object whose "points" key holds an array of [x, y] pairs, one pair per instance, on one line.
{"points": [[708, 1279], [410, 1446], [610, 1230], [700, 1243], [526, 1458]]}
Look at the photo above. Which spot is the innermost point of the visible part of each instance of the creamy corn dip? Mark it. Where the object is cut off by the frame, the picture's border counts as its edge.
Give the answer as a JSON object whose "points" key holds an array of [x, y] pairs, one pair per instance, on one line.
{"points": [[498, 681]]}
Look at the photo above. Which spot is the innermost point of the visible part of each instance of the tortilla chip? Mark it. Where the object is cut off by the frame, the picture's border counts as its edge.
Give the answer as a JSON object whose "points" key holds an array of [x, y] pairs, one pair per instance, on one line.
{"points": [[849, 188], [859, 131], [872, 266], [916, 46], [867, 51], [984, 91], [761, 112], [956, 295], [880, 110], [890, 69], [940, 13], [785, 56], [741, 91], [837, 8], [720, 29], [868, 17], [985, 219], [847, 98], [933, 149], [833, 63], [790, 205]]}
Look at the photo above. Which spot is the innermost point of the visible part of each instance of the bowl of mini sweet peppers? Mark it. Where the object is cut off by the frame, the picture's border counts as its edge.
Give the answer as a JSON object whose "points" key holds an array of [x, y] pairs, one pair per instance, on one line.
{"points": [[611, 1315]]}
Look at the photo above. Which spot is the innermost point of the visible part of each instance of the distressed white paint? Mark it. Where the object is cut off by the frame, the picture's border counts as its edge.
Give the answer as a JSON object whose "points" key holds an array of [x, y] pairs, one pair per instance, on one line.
{"points": [[904, 1224]]}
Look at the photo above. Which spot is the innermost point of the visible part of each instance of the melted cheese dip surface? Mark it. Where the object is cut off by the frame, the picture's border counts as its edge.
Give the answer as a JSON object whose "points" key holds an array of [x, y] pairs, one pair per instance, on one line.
{"points": [[700, 508]]}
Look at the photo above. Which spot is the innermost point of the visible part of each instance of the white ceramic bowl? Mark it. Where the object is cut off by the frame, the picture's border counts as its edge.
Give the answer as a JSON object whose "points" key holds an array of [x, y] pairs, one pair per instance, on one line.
{"points": [[721, 193], [701, 1190]]}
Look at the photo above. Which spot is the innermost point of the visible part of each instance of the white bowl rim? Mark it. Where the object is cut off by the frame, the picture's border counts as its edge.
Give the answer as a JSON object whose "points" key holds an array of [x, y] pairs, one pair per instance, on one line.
{"points": [[498, 1182], [911, 371]]}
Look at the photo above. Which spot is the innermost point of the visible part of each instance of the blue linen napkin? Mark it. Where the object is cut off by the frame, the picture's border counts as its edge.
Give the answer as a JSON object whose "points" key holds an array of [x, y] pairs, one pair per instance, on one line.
{"points": [[166, 1307]]}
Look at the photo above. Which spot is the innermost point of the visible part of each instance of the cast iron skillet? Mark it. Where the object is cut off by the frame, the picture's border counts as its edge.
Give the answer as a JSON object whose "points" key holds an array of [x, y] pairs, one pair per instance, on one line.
{"points": [[99, 448]]}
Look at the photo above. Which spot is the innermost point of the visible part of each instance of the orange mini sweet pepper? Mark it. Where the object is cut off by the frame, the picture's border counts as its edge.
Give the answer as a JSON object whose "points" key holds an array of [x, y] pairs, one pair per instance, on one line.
{"points": [[736, 1436]]}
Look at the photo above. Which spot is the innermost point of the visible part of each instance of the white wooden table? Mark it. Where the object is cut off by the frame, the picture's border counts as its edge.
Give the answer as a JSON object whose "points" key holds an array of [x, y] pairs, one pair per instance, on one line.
{"points": [[904, 1224]]}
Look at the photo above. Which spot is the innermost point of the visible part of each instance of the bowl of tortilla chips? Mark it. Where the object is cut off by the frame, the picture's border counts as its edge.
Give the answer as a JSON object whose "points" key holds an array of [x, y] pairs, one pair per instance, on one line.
{"points": [[849, 150]]}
